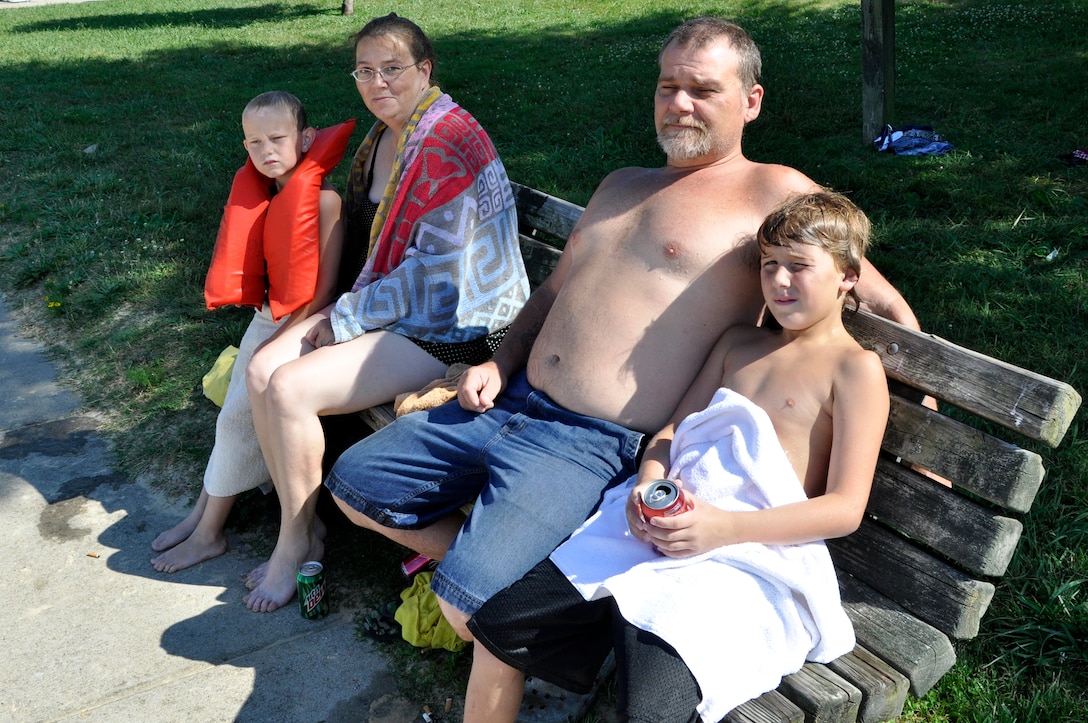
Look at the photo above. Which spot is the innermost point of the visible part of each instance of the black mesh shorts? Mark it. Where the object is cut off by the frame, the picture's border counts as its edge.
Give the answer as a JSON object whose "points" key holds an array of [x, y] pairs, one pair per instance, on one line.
{"points": [[543, 627]]}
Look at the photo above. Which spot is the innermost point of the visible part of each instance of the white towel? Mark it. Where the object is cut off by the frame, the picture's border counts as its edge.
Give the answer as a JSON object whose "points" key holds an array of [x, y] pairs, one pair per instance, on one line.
{"points": [[752, 613]]}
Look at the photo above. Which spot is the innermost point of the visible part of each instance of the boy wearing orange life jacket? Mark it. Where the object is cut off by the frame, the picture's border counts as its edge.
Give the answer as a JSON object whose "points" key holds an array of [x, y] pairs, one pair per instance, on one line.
{"points": [[278, 251]]}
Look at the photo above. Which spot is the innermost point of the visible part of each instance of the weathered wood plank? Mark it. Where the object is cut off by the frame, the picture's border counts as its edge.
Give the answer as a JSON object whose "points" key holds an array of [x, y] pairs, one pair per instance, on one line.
{"points": [[989, 467], [883, 688], [1037, 407], [771, 707], [824, 695], [916, 649], [932, 589], [961, 530], [542, 212], [540, 259], [378, 417]]}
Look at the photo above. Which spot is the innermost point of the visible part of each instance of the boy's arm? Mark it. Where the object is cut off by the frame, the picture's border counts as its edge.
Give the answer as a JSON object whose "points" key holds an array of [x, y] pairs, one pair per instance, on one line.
{"points": [[330, 243], [860, 414], [656, 459]]}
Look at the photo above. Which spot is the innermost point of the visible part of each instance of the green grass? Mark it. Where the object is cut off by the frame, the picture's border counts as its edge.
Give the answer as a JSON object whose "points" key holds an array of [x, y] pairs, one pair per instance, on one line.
{"points": [[119, 136]]}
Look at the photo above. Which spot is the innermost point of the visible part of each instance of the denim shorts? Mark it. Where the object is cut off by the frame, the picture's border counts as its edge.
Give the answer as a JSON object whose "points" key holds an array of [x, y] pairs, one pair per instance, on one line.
{"points": [[535, 470]]}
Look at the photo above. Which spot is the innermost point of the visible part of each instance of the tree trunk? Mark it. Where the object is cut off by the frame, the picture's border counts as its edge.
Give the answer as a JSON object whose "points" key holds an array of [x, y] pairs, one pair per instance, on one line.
{"points": [[348, 8]]}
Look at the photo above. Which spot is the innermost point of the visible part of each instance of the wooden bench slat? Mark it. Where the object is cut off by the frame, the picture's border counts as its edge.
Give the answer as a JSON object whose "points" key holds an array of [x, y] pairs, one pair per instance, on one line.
{"points": [[989, 467], [540, 259], [883, 688], [916, 649], [930, 588], [378, 417], [963, 531], [549, 214], [1037, 407], [824, 695], [771, 707]]}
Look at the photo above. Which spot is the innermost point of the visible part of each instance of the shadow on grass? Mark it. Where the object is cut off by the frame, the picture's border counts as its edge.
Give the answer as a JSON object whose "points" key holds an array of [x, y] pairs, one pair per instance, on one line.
{"points": [[214, 18]]}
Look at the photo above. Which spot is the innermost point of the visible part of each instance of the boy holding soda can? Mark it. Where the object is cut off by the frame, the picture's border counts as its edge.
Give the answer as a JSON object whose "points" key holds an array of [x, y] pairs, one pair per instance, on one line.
{"points": [[773, 450]]}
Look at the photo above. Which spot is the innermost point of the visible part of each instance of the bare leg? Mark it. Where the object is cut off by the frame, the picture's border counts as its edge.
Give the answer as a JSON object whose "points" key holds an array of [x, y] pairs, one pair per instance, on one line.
{"points": [[257, 574], [494, 689], [457, 619], [208, 540], [335, 379], [431, 541], [183, 529]]}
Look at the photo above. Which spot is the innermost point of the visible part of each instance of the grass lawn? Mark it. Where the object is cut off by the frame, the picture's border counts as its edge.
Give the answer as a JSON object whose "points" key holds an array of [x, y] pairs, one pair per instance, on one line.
{"points": [[119, 135]]}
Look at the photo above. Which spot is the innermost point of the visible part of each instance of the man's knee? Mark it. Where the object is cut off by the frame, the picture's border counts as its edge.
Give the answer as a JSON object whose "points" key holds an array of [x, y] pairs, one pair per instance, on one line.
{"points": [[357, 517]]}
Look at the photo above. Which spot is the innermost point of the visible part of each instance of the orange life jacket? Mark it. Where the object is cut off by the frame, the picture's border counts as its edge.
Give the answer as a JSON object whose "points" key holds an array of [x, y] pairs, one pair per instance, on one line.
{"points": [[270, 243]]}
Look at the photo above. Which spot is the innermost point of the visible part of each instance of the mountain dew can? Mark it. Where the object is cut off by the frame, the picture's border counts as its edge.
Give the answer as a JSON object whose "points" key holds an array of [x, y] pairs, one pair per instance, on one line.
{"points": [[312, 602]]}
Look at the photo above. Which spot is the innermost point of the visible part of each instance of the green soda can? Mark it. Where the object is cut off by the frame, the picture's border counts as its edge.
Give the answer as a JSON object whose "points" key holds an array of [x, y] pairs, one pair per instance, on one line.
{"points": [[312, 603]]}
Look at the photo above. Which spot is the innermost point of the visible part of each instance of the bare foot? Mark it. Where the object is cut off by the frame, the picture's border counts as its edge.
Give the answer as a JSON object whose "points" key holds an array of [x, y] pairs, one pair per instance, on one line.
{"points": [[279, 583], [183, 529], [189, 552], [256, 575]]}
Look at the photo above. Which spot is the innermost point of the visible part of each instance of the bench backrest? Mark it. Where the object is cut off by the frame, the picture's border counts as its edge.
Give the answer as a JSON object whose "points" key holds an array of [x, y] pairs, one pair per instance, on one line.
{"points": [[919, 570]]}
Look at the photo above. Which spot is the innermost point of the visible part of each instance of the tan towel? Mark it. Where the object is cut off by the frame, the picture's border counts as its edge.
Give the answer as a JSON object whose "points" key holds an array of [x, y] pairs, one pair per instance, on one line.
{"points": [[434, 394]]}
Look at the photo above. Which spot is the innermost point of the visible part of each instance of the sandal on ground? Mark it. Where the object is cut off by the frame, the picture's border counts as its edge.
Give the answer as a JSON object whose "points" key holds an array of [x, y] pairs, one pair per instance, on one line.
{"points": [[380, 624]]}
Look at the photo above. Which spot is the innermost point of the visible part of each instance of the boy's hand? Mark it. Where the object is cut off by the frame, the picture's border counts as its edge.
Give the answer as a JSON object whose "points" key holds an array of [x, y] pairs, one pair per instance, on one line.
{"points": [[479, 386], [636, 522], [689, 533]]}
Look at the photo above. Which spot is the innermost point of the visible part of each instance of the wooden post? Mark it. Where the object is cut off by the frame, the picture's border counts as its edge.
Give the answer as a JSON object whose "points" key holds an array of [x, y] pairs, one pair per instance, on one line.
{"points": [[348, 8], [877, 66]]}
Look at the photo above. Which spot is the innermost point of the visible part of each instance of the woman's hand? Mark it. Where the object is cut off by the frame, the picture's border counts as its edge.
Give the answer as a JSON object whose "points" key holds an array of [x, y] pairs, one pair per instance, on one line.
{"points": [[479, 387], [320, 334]]}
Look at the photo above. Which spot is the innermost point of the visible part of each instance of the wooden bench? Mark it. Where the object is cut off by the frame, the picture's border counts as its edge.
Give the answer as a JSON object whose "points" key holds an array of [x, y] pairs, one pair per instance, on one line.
{"points": [[921, 570]]}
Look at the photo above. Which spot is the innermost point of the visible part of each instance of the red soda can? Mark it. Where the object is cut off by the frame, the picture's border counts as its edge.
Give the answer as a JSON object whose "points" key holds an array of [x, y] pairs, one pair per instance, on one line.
{"points": [[662, 498], [416, 564], [312, 603]]}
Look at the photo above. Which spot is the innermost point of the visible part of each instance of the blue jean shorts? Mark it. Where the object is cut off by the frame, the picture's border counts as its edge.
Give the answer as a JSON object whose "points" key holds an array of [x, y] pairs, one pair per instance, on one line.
{"points": [[535, 470]]}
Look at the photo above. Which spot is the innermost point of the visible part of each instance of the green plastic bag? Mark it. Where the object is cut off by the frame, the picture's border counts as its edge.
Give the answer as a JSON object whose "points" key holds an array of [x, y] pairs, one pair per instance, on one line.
{"points": [[421, 621]]}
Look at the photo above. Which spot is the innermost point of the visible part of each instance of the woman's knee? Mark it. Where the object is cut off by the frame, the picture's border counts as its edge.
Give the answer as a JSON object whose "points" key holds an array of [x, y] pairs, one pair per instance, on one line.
{"points": [[286, 391], [258, 372]]}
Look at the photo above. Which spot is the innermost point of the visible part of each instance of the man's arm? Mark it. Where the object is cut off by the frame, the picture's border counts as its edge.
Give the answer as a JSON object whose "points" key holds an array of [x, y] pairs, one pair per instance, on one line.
{"points": [[481, 384], [880, 297]]}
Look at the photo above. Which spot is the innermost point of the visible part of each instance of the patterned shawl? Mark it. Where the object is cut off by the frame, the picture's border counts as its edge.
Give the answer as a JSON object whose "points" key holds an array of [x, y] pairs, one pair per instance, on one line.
{"points": [[444, 262]]}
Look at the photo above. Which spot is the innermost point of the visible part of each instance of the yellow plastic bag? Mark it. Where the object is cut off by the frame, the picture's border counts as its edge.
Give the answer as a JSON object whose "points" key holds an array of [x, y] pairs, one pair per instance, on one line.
{"points": [[421, 621], [217, 379]]}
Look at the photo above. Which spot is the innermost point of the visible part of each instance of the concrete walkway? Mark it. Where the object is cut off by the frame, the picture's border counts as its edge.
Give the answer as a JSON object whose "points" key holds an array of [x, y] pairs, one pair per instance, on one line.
{"points": [[92, 633]]}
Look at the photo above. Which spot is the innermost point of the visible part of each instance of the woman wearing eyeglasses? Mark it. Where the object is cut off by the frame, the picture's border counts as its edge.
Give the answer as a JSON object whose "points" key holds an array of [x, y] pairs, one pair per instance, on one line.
{"points": [[430, 213]]}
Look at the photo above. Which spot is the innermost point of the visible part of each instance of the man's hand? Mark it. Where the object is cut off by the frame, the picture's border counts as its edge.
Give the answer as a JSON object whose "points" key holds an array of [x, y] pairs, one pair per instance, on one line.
{"points": [[479, 387], [320, 334]]}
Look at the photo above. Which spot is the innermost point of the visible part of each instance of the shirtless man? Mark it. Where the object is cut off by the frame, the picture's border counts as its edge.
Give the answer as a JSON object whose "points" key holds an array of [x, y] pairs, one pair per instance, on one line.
{"points": [[660, 264]]}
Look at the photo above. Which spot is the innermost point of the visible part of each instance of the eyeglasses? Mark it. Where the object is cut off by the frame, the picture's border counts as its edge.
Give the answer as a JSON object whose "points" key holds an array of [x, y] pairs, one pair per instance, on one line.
{"points": [[389, 72]]}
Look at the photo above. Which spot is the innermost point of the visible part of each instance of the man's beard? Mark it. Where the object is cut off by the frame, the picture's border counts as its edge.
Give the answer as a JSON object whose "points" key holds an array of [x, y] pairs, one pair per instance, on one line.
{"points": [[688, 144]]}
